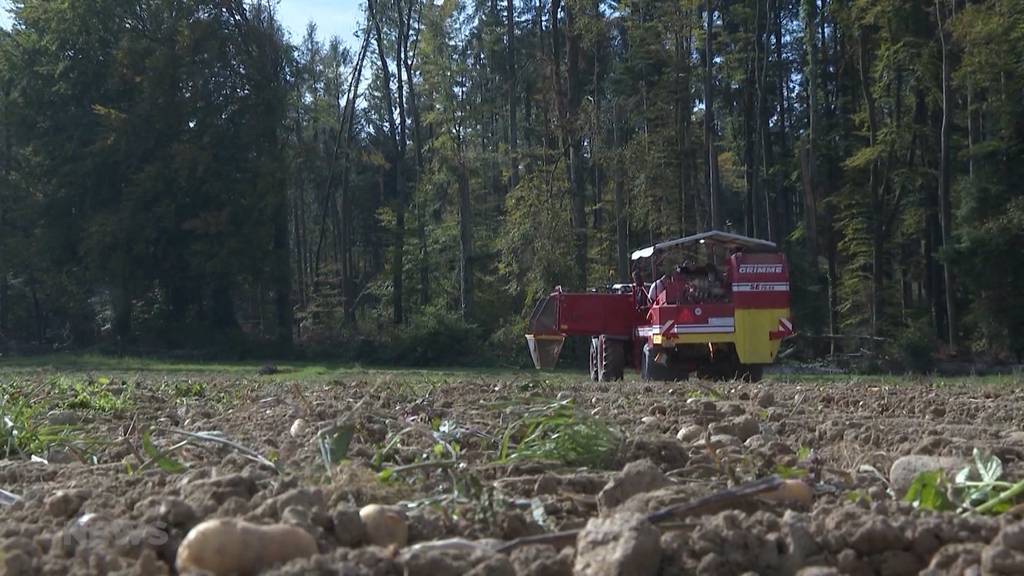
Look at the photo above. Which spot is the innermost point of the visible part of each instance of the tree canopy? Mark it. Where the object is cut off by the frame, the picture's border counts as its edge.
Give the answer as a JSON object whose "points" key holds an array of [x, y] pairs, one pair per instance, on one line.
{"points": [[185, 174]]}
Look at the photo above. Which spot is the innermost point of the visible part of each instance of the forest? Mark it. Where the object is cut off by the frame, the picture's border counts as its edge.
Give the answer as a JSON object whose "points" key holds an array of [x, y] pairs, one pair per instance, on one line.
{"points": [[186, 175]]}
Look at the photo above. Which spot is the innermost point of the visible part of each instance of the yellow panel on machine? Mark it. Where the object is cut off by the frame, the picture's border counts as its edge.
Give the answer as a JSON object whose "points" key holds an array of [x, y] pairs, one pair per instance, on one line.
{"points": [[752, 336]]}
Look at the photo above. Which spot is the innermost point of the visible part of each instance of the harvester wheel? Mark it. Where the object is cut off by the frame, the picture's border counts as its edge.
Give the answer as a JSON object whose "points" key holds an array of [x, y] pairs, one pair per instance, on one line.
{"points": [[751, 372], [613, 359], [716, 371], [594, 359], [652, 370]]}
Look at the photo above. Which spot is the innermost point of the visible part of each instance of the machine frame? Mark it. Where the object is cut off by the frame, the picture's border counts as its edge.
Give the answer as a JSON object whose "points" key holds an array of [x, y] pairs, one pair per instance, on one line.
{"points": [[720, 327]]}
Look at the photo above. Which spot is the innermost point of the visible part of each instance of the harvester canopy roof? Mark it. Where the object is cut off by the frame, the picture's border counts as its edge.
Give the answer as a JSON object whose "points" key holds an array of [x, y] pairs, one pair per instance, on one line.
{"points": [[715, 237]]}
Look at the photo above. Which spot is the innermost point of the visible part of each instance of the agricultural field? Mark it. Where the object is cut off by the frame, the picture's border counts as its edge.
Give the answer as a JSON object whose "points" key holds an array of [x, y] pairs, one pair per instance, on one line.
{"points": [[109, 467]]}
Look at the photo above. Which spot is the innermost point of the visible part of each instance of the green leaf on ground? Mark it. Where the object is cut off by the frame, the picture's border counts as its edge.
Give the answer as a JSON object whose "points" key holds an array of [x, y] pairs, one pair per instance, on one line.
{"points": [[165, 462], [928, 492]]}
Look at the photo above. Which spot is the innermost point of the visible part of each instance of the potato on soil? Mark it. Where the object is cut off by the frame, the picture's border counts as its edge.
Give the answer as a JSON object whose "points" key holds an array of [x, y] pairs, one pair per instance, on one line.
{"points": [[385, 525], [792, 492], [298, 428], [230, 546]]}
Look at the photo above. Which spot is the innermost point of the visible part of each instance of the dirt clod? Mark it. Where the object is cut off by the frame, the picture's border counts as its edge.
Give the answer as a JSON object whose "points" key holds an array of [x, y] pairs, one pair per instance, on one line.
{"points": [[541, 560], [348, 527], [624, 545], [765, 399], [636, 477], [840, 438], [66, 503], [1002, 560], [877, 535]]}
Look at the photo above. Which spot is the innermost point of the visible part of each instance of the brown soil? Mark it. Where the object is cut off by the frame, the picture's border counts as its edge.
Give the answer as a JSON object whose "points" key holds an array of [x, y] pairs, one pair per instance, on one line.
{"points": [[106, 516]]}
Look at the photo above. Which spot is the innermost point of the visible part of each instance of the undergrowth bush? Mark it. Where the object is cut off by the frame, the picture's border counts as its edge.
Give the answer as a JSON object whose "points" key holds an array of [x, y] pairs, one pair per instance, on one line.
{"points": [[913, 348], [434, 337]]}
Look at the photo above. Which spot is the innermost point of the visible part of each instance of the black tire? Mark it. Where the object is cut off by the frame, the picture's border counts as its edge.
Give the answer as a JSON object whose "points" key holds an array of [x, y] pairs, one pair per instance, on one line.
{"points": [[652, 371], [613, 359], [751, 372], [713, 372], [594, 359]]}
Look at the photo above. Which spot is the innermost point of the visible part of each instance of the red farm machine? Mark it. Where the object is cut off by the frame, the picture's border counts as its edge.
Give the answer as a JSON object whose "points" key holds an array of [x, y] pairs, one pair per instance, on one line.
{"points": [[721, 312]]}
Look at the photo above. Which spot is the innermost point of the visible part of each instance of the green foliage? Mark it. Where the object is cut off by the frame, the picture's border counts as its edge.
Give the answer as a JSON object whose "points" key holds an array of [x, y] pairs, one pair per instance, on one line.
{"points": [[977, 488], [165, 462], [190, 179], [914, 348], [536, 237], [560, 433], [24, 427], [809, 291], [991, 259], [334, 444], [150, 160], [928, 492], [435, 337]]}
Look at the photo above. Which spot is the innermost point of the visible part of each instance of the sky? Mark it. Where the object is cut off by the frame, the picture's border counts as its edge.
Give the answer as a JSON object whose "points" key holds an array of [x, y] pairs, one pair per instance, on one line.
{"points": [[333, 18]]}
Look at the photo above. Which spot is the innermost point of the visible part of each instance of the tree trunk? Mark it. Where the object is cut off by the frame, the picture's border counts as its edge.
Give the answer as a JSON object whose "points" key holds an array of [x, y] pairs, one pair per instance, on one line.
{"points": [[282, 271], [621, 232], [40, 322], [749, 169], [512, 95], [763, 123], [709, 117], [577, 176], [5, 306], [297, 227], [808, 150], [298, 207], [876, 217], [684, 111], [465, 241], [945, 176], [789, 202], [396, 178], [347, 272]]}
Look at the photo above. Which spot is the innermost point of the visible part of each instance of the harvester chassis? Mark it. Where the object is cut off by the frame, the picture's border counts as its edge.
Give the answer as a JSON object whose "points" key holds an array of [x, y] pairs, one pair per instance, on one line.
{"points": [[716, 326]]}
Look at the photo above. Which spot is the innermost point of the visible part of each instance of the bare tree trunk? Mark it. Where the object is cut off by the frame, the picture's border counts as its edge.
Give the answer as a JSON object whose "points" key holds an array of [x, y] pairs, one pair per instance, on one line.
{"points": [[595, 144], [577, 177], [396, 132], [808, 150], [512, 95], [40, 321], [465, 240], [763, 127], [297, 225], [621, 232], [684, 111], [931, 244], [945, 176], [5, 305], [348, 296], [749, 168], [709, 116], [876, 216], [298, 209], [789, 202], [282, 272]]}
